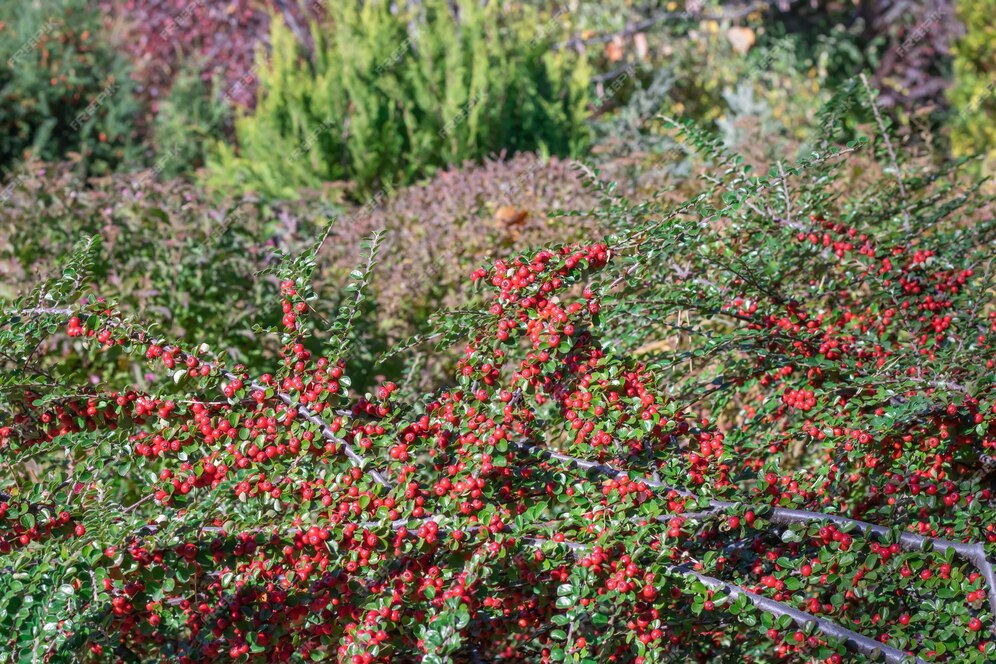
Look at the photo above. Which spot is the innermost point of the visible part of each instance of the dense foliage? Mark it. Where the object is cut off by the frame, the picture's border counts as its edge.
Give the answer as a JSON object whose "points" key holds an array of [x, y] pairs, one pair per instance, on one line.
{"points": [[389, 95], [188, 121], [145, 81], [217, 40], [974, 95], [64, 91], [756, 422], [170, 252], [371, 331]]}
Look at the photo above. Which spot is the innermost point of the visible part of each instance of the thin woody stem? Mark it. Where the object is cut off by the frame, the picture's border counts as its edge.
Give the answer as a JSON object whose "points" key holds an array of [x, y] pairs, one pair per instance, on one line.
{"points": [[972, 552]]}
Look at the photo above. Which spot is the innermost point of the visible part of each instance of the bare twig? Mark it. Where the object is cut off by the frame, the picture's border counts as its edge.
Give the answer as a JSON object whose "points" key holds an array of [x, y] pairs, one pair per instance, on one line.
{"points": [[852, 640], [890, 150], [972, 552]]}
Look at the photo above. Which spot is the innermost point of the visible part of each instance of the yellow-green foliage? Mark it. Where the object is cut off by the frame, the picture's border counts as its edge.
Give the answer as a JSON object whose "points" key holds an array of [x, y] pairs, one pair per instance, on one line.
{"points": [[388, 97], [973, 95]]}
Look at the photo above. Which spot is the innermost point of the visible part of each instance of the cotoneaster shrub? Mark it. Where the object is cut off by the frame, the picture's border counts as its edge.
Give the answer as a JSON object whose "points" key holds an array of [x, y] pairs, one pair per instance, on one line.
{"points": [[756, 425]]}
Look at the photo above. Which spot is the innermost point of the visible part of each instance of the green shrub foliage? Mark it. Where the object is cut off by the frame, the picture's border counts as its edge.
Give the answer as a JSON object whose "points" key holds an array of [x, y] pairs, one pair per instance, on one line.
{"points": [[389, 94], [170, 252], [165, 251], [973, 95], [758, 422], [189, 120], [65, 89]]}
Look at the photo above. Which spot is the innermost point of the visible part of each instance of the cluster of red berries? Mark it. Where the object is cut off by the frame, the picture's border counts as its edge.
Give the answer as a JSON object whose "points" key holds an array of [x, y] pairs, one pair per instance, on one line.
{"points": [[804, 400], [375, 516]]}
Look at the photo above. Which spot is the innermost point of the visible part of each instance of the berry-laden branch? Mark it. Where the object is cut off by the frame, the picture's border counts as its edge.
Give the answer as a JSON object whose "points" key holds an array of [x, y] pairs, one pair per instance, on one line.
{"points": [[852, 640], [326, 431], [973, 552], [506, 514]]}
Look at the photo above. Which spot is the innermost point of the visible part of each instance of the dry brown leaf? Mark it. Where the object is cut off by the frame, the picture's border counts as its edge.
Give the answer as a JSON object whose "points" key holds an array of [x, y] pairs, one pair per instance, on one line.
{"points": [[742, 39], [508, 216], [614, 50]]}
